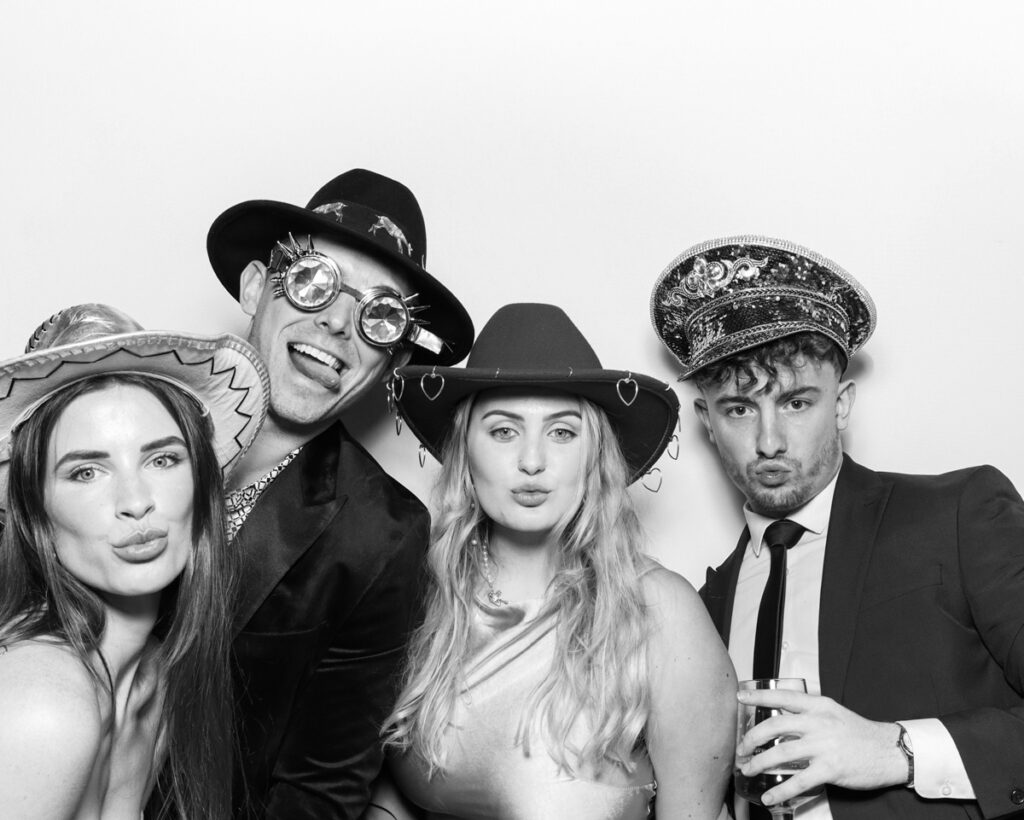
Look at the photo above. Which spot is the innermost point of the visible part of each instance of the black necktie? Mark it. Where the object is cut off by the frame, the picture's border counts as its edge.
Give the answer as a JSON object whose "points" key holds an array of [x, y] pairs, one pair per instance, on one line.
{"points": [[779, 537]]}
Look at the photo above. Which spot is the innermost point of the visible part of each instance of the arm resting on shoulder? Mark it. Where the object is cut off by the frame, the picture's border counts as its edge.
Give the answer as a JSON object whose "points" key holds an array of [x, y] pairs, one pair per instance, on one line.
{"points": [[692, 727]]}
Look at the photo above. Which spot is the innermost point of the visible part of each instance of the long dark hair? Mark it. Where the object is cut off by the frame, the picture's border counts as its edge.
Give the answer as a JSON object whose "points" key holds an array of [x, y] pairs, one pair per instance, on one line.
{"points": [[39, 597]]}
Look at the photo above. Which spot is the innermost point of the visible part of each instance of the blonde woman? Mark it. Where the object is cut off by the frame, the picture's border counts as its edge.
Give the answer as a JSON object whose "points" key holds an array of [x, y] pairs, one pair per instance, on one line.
{"points": [[558, 672]]}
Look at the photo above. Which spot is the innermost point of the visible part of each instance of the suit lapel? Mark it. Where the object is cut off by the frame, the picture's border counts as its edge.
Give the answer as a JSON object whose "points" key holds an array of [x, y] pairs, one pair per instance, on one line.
{"points": [[857, 508], [288, 518], [719, 591]]}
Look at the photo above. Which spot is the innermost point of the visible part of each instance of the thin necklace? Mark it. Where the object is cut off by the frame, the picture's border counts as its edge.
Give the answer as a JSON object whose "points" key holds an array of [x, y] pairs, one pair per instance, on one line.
{"points": [[493, 595]]}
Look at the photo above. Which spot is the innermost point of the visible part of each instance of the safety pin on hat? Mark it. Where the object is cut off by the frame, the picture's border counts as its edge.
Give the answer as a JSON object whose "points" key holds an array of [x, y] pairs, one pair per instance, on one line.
{"points": [[394, 395]]}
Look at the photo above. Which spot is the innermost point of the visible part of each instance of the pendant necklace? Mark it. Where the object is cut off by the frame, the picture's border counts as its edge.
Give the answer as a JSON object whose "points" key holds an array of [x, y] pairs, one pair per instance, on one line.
{"points": [[493, 595]]}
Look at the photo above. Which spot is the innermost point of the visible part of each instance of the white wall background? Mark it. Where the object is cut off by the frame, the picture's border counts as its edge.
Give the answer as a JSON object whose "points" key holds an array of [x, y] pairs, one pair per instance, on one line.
{"points": [[562, 152]]}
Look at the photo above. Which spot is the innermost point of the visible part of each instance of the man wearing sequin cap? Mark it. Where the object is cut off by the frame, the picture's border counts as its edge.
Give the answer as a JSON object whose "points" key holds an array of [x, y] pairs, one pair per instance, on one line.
{"points": [[338, 296], [896, 597]]}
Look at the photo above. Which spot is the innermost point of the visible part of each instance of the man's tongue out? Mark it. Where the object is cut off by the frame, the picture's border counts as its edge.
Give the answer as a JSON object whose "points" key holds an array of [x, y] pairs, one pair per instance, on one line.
{"points": [[316, 364]]}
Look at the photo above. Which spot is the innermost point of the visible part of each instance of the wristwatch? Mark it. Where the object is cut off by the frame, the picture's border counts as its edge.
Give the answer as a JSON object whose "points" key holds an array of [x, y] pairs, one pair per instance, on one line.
{"points": [[903, 742]]}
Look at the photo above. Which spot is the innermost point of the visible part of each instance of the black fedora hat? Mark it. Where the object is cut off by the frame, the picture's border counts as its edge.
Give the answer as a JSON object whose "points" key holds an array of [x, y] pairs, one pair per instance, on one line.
{"points": [[368, 211], [535, 345]]}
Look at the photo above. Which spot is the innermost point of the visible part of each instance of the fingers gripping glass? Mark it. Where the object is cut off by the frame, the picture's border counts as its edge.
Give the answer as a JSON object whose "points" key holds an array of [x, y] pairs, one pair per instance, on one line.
{"points": [[311, 281], [751, 788]]}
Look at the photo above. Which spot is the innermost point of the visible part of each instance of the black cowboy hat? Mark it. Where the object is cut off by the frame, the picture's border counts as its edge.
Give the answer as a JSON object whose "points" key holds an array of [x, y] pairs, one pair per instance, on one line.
{"points": [[534, 345], [360, 208]]}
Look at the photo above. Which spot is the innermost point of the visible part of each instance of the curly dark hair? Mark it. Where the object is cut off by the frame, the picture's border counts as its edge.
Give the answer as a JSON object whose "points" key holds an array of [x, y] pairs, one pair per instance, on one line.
{"points": [[784, 353]]}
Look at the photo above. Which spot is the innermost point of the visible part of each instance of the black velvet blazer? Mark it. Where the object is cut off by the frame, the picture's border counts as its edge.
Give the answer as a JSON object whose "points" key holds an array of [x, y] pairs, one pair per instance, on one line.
{"points": [[922, 615], [329, 592]]}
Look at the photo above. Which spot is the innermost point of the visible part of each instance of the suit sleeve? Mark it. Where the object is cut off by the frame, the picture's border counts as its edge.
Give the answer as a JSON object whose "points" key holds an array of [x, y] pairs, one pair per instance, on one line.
{"points": [[991, 548], [332, 752]]}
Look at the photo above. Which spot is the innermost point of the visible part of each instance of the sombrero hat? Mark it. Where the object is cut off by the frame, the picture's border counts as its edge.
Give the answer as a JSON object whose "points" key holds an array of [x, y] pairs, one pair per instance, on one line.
{"points": [[223, 373]]}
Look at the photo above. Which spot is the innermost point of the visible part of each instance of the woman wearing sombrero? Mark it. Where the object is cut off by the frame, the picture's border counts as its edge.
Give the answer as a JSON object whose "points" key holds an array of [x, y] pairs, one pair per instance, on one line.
{"points": [[558, 672], [115, 580]]}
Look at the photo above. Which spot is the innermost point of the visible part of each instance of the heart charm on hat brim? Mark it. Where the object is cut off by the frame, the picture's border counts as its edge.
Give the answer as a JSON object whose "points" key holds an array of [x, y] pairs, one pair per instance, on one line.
{"points": [[672, 450], [652, 479], [397, 385], [428, 391], [624, 386]]}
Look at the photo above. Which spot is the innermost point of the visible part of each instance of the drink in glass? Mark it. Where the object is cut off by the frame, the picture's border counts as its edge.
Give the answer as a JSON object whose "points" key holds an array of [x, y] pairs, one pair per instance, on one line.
{"points": [[751, 788]]}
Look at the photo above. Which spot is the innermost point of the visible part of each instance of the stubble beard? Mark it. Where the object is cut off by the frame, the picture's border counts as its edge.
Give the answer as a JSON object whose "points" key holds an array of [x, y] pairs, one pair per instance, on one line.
{"points": [[776, 502]]}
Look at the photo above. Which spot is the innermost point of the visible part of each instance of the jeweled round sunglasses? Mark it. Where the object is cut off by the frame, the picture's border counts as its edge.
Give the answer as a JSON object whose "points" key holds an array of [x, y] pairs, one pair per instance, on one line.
{"points": [[311, 281]]}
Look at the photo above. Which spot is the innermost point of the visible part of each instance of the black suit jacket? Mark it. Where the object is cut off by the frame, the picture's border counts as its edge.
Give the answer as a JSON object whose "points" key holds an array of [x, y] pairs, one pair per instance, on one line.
{"points": [[922, 615], [332, 559]]}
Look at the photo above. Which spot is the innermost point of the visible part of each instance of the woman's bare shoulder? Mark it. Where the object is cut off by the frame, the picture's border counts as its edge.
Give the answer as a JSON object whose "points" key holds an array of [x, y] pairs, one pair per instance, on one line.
{"points": [[664, 589], [676, 613], [47, 695], [52, 729]]}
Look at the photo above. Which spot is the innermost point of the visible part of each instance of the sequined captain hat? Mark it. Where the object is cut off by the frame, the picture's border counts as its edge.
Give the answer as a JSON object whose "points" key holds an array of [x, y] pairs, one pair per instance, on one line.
{"points": [[223, 373], [728, 295], [366, 210], [538, 346]]}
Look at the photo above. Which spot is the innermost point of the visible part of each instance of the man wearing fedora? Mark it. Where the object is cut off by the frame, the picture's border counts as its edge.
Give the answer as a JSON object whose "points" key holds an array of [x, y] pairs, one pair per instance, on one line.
{"points": [[338, 297], [896, 597]]}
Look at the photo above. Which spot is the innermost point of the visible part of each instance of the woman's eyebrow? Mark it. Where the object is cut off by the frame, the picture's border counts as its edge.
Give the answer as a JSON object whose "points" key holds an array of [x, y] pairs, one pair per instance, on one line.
{"points": [[166, 441], [81, 455]]}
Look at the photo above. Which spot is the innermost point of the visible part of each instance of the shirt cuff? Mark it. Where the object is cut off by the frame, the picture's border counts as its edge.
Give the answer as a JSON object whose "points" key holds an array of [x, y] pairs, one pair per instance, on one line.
{"points": [[938, 769]]}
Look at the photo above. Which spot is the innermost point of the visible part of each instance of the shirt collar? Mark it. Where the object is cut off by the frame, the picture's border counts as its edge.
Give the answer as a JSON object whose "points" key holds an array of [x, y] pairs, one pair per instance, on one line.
{"points": [[812, 516]]}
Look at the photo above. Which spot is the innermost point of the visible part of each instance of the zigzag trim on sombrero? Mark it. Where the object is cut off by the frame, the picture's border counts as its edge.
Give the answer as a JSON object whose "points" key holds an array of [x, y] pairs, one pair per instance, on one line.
{"points": [[123, 344]]}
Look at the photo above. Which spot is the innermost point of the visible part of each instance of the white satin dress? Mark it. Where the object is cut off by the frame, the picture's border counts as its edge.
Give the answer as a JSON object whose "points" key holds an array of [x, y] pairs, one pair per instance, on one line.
{"points": [[488, 776]]}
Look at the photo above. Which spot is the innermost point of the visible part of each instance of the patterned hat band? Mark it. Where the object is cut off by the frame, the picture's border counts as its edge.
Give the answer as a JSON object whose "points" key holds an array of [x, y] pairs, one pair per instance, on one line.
{"points": [[747, 319], [379, 229]]}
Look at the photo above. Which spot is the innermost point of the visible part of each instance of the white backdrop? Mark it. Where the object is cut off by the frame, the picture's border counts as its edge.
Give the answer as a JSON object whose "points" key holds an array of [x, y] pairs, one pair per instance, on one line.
{"points": [[562, 152]]}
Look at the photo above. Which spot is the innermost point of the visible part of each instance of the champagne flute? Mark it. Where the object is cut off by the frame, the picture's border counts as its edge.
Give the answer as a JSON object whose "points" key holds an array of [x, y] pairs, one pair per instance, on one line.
{"points": [[751, 788]]}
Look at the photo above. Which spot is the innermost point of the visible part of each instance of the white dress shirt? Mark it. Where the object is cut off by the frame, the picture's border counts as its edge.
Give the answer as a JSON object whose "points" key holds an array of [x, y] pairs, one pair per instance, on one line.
{"points": [[938, 769]]}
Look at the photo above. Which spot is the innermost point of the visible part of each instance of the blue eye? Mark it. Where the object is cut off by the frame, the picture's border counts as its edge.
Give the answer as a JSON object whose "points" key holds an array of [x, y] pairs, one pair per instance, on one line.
{"points": [[83, 474]]}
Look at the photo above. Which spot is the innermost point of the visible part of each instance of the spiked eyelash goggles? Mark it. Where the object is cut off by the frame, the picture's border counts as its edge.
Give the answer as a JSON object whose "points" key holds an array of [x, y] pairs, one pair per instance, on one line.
{"points": [[311, 281]]}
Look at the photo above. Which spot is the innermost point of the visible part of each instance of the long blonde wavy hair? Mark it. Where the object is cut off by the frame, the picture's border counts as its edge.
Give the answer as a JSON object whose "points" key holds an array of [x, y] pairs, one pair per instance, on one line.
{"points": [[600, 660]]}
